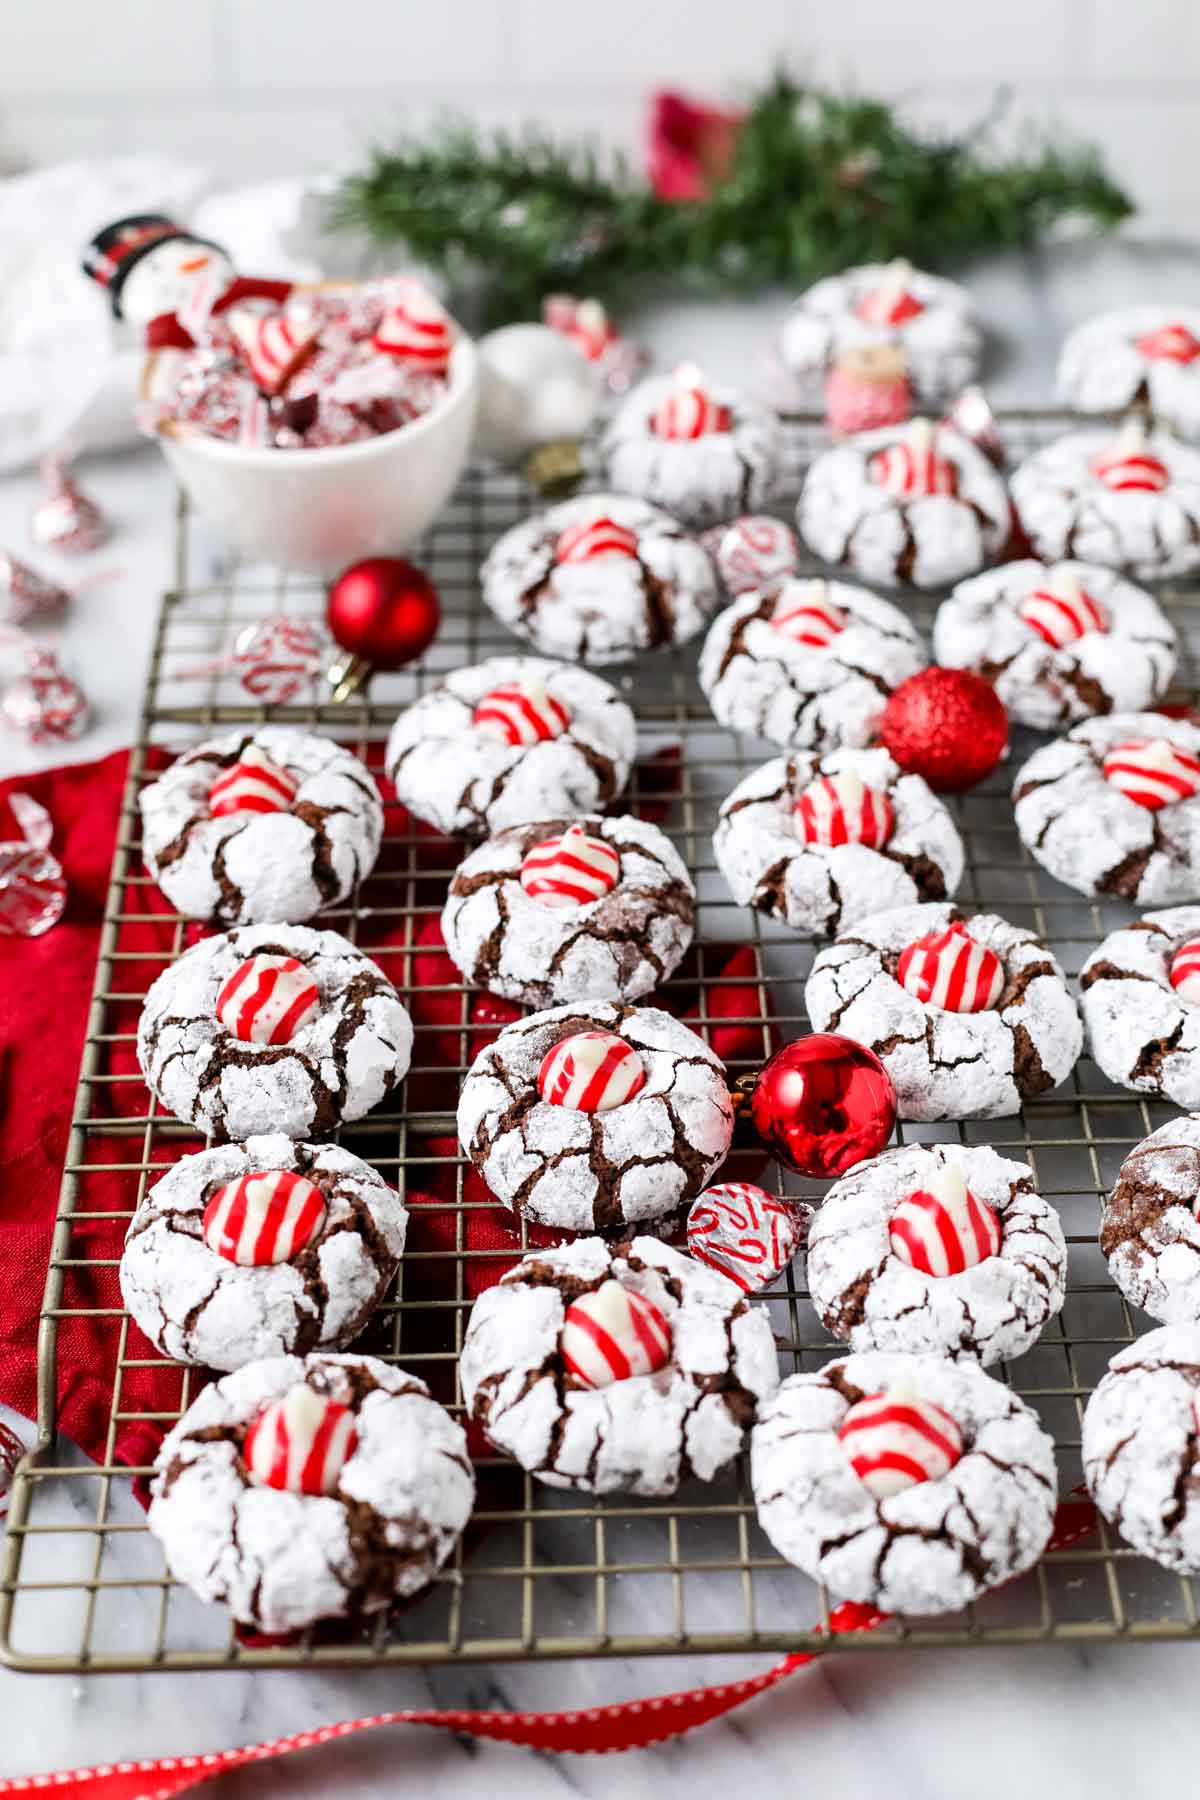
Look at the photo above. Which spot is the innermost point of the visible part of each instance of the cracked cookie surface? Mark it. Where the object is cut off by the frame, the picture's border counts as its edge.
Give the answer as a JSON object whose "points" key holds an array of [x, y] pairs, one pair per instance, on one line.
{"points": [[1066, 511], [281, 1560], [1085, 832], [618, 947], [1103, 368], [641, 1435], [873, 1299], [702, 480], [1142, 1032], [820, 889], [1140, 1446], [196, 1305], [641, 1161], [934, 1546], [1149, 1230], [950, 1065], [338, 1065]]}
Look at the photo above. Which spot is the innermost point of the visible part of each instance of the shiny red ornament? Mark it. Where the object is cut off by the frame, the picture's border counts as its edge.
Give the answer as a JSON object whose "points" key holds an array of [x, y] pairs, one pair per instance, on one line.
{"points": [[946, 725], [384, 610], [823, 1104]]}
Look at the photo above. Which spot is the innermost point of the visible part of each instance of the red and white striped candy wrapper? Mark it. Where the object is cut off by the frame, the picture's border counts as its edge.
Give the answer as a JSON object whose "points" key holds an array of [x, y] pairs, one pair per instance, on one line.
{"points": [[613, 1333], [593, 1071], [1152, 772], [572, 870], [264, 1218], [1170, 343], [255, 784], [585, 322], [842, 809], [24, 593], [950, 970], [45, 702], [254, 420], [753, 551], [279, 657], [1128, 465], [415, 329], [893, 301], [300, 1443], [805, 614], [267, 1000], [745, 1233], [521, 713], [1062, 612], [895, 1440], [273, 345], [688, 409], [65, 519], [911, 468], [944, 1228], [590, 538], [1185, 971]]}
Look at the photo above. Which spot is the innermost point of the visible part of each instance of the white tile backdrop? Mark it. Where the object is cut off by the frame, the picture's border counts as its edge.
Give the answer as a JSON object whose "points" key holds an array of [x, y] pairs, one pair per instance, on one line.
{"points": [[253, 88]]}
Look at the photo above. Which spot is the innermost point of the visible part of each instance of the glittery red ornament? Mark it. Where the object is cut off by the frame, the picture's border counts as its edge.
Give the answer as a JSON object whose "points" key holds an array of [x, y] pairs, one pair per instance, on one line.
{"points": [[946, 725], [823, 1104], [383, 612]]}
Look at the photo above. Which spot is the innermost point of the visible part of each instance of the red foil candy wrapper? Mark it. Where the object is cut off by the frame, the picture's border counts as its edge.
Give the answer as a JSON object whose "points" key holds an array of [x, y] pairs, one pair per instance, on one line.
{"points": [[32, 890], [753, 551], [44, 702], [972, 417], [24, 593], [280, 657], [65, 519]]}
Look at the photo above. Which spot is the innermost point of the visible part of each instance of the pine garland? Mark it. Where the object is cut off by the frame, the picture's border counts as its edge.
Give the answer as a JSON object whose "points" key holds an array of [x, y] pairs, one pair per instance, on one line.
{"points": [[819, 182]]}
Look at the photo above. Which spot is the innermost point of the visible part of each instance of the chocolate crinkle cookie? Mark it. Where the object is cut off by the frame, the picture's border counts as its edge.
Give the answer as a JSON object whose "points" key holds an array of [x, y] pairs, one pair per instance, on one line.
{"points": [[1141, 1005], [569, 910], [1127, 500], [1114, 808], [593, 1117], [511, 739], [598, 579], [808, 664], [1140, 1434], [1150, 1228], [272, 1028], [306, 1488], [261, 1249], [970, 1015], [820, 842], [911, 1483], [944, 1248], [272, 823], [1144, 355], [617, 1369], [908, 503], [703, 453], [1058, 642]]}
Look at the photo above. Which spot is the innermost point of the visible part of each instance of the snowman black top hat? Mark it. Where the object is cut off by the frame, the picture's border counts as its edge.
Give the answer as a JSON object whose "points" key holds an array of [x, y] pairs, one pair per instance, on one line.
{"points": [[113, 252]]}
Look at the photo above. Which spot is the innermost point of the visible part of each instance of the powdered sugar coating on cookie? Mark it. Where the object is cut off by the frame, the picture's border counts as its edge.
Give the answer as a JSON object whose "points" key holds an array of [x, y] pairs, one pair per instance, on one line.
{"points": [[702, 480], [850, 519], [949, 1065], [641, 1435], [644, 1160], [1067, 511], [1136, 353], [337, 1066], [248, 867], [1142, 1031], [821, 889], [281, 1560], [618, 947], [760, 681], [1139, 1445], [1149, 1230], [1127, 667], [937, 1544], [470, 783], [1093, 837], [197, 1306], [873, 1299], [605, 608]]}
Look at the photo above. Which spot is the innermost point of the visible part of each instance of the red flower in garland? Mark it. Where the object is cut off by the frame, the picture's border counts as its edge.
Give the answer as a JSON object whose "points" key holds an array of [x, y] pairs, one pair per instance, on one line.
{"points": [[690, 148]]}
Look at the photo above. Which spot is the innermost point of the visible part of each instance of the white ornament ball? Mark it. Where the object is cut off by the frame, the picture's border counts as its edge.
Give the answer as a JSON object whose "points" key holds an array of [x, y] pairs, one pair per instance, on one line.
{"points": [[535, 387]]}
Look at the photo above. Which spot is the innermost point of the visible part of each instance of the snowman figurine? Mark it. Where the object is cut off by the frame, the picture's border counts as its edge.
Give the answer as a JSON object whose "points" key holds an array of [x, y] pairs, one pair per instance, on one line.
{"points": [[164, 282]]}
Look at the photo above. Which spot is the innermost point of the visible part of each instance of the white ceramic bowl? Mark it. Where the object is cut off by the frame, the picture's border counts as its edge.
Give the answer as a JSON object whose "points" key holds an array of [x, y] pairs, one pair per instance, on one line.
{"points": [[317, 510]]}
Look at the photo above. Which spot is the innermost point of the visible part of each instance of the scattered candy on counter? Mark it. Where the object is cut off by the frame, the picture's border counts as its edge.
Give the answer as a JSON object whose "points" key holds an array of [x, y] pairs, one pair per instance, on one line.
{"points": [[24, 593], [65, 519], [43, 702], [33, 892]]}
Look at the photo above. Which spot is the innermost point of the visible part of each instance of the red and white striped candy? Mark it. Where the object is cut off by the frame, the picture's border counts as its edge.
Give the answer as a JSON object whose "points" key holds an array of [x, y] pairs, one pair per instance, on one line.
{"points": [[805, 614], [591, 1072], [752, 551], [415, 329], [254, 784], [1153, 772], [272, 344], [949, 969], [1062, 612], [266, 1218], [895, 1440], [893, 301], [744, 1233], [585, 322], [842, 809], [911, 467], [521, 713], [688, 410], [267, 999], [571, 870], [1170, 343], [595, 537], [944, 1228], [611, 1334], [1185, 971], [1128, 466], [301, 1443]]}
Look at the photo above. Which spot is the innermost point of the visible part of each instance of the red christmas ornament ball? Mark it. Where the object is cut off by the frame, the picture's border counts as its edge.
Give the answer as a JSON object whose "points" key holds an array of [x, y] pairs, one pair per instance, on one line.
{"points": [[384, 610], [823, 1104], [946, 725]]}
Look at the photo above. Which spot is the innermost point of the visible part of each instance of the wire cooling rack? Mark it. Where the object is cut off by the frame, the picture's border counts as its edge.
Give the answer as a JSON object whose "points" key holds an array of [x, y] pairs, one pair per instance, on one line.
{"points": [[539, 1574]]}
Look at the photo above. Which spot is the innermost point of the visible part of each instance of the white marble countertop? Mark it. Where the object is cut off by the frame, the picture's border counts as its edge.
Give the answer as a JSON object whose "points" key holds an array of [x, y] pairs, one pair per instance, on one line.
{"points": [[920, 1725]]}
